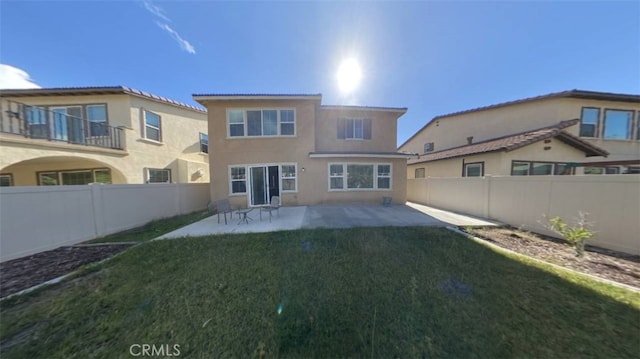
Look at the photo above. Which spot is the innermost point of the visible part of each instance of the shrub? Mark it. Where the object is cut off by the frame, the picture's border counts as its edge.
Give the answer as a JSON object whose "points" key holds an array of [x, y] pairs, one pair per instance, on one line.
{"points": [[576, 235]]}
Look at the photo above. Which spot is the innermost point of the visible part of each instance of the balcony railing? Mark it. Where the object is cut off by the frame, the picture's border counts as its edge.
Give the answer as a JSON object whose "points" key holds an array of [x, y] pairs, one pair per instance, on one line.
{"points": [[56, 125]]}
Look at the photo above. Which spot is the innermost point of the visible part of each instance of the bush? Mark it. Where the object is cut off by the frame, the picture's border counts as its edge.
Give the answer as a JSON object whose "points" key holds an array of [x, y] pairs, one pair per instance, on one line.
{"points": [[576, 235]]}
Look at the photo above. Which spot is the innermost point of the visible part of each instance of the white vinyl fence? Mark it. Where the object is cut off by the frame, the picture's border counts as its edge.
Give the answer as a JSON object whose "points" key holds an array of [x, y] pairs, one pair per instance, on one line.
{"points": [[612, 202], [36, 219]]}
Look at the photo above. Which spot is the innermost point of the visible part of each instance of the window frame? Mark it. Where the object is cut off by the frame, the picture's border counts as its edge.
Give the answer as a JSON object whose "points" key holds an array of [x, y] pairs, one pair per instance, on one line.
{"points": [[294, 178], [231, 180], [554, 168], [630, 124], [465, 168], [9, 176], [245, 124], [145, 125], [148, 174], [202, 144], [429, 147], [104, 123], [345, 176], [59, 178], [596, 130], [424, 172]]}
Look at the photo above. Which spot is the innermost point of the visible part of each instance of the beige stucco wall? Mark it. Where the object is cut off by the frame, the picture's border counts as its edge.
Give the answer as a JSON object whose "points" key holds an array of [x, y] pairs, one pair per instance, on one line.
{"points": [[179, 150], [383, 131], [313, 181], [499, 163], [483, 125]]}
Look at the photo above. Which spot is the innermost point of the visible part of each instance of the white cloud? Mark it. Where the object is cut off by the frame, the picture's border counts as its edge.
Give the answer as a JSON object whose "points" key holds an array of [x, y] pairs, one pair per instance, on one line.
{"points": [[159, 13], [15, 78], [155, 10], [184, 44]]}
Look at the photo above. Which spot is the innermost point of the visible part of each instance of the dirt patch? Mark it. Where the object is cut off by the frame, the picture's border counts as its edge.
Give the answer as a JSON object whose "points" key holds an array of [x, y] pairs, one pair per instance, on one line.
{"points": [[22, 273], [600, 262]]}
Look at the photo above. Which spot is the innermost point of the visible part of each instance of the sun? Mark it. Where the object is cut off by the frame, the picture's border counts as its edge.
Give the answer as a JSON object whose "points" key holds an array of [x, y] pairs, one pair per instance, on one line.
{"points": [[349, 75]]}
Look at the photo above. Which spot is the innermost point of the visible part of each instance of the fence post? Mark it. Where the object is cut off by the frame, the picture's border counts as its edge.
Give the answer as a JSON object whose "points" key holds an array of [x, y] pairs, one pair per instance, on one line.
{"points": [[98, 210], [486, 196]]}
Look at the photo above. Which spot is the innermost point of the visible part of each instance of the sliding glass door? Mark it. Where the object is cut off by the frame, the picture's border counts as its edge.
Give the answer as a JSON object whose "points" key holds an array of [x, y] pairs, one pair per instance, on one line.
{"points": [[264, 184]]}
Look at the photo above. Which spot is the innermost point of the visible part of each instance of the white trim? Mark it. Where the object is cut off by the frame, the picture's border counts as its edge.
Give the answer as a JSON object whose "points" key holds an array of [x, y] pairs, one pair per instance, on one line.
{"points": [[148, 174], [247, 168], [345, 177], [245, 124], [358, 155], [144, 126]]}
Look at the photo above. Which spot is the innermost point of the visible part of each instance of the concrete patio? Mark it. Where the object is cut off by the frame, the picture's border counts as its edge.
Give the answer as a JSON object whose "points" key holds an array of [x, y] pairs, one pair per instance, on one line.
{"points": [[328, 216]]}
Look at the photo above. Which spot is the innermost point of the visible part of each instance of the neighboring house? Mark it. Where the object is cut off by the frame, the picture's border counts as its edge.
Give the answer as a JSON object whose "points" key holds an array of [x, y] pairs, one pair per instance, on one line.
{"points": [[75, 136], [570, 132], [293, 147]]}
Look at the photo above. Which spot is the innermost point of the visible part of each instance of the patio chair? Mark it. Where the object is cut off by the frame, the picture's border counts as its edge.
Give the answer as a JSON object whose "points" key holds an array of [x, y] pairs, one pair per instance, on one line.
{"points": [[223, 206], [273, 206], [386, 201]]}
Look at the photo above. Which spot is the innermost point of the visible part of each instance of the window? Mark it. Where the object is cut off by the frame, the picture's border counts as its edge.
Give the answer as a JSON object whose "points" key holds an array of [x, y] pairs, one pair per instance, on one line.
{"points": [[359, 176], [541, 169], [37, 120], [6, 180], [155, 175], [287, 123], [336, 177], [601, 170], [288, 175], [74, 177], [617, 124], [589, 122], [529, 168], [97, 117], [520, 168], [354, 129], [384, 176], [428, 147], [638, 125], [204, 143], [152, 126], [236, 123], [48, 179], [238, 179], [420, 172], [261, 122], [475, 169]]}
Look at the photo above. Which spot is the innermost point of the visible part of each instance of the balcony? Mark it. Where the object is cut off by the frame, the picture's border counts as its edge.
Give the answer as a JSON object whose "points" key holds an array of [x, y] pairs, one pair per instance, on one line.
{"points": [[58, 125]]}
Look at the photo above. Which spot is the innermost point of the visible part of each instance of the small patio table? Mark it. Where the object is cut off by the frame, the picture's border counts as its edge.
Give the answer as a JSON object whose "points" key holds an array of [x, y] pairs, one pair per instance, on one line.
{"points": [[242, 213]]}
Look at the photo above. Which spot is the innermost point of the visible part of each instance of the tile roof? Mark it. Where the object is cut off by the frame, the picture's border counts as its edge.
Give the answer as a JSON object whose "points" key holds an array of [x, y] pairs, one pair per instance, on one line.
{"points": [[257, 95], [98, 90], [515, 141]]}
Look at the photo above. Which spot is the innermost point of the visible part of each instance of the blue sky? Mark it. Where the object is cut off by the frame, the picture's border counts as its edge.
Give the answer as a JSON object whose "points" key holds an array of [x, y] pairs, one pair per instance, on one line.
{"points": [[432, 57]]}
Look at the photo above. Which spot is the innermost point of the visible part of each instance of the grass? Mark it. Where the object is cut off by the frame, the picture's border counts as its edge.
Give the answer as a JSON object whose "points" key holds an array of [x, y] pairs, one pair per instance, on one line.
{"points": [[153, 229], [381, 293]]}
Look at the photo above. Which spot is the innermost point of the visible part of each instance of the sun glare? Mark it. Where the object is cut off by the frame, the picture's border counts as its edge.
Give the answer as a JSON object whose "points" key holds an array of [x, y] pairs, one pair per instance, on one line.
{"points": [[349, 75]]}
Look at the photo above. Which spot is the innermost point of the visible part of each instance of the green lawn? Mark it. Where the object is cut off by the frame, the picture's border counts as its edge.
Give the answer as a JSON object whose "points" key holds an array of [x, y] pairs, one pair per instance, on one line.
{"points": [[153, 229], [381, 293]]}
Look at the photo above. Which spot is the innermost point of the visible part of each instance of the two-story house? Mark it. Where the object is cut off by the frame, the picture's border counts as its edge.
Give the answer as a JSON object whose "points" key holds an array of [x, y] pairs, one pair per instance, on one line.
{"points": [[570, 132], [293, 147], [119, 135]]}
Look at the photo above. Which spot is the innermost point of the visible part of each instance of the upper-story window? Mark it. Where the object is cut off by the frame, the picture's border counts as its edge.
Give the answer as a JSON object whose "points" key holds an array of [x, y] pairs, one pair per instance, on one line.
{"points": [[97, 116], [354, 129], [609, 124], [204, 143], [428, 147], [589, 122], [261, 122], [152, 126], [617, 124]]}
